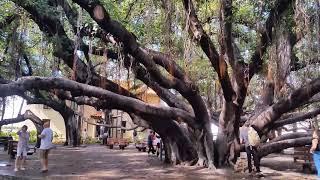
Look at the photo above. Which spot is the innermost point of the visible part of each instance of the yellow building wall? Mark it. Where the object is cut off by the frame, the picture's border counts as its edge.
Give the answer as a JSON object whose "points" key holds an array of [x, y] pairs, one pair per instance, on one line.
{"points": [[87, 111]]}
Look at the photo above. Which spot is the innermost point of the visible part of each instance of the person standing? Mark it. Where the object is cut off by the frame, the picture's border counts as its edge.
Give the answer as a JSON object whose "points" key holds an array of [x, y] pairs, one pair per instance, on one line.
{"points": [[250, 147], [46, 144], [150, 143], [135, 137], [84, 136], [315, 150], [157, 143], [22, 148], [105, 137]]}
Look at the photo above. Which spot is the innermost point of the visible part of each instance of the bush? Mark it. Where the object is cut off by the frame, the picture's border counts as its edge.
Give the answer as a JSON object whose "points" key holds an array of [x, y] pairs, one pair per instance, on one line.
{"points": [[4, 134], [33, 136], [91, 140]]}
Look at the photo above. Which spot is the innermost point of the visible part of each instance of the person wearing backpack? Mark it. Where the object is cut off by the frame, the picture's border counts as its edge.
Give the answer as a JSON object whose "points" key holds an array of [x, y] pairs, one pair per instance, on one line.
{"points": [[315, 150], [250, 138]]}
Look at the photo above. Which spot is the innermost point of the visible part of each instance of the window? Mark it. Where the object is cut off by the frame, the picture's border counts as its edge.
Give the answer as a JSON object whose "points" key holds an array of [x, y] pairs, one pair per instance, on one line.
{"points": [[123, 124]]}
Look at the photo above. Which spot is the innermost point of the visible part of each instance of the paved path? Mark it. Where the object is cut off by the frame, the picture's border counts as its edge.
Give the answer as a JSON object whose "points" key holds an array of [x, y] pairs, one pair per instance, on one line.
{"points": [[99, 162]]}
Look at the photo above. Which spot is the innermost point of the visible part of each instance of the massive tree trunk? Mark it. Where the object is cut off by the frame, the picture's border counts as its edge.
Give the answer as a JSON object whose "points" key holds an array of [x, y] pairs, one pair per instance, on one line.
{"points": [[73, 129], [178, 146], [68, 138], [228, 132]]}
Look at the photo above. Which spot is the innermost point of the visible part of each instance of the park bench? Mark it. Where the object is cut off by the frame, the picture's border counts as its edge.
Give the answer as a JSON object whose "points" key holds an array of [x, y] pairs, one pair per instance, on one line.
{"points": [[12, 149], [117, 141], [122, 143], [4, 141], [303, 154]]}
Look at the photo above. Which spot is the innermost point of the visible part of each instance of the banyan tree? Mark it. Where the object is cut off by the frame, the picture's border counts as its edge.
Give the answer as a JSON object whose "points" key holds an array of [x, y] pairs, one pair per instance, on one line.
{"points": [[222, 62]]}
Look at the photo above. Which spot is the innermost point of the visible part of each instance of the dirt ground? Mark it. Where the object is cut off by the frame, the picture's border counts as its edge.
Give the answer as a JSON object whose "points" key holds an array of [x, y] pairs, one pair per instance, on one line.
{"points": [[99, 162]]}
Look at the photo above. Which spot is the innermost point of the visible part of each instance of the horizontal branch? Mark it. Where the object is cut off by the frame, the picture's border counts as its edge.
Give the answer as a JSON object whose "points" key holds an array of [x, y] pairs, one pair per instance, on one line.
{"points": [[112, 100], [27, 115], [293, 135], [296, 99], [297, 118], [277, 146]]}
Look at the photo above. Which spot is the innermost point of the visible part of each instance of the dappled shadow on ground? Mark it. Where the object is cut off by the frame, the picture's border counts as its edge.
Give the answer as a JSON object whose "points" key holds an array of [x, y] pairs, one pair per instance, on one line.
{"points": [[99, 162]]}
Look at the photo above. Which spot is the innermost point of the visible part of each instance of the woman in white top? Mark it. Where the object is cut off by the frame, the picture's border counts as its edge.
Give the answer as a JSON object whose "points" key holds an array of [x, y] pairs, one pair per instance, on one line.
{"points": [[22, 148], [157, 143]]}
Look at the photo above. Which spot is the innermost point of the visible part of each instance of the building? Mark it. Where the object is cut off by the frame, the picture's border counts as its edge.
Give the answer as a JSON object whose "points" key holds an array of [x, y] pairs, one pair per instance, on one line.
{"points": [[119, 118]]}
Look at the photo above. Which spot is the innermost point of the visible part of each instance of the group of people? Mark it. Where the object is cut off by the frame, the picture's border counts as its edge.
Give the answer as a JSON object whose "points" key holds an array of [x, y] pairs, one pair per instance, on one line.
{"points": [[46, 137]]}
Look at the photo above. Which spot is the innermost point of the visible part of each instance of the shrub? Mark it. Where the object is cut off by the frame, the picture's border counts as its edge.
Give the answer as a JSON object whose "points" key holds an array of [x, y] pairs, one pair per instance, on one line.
{"points": [[91, 140], [4, 134], [33, 136]]}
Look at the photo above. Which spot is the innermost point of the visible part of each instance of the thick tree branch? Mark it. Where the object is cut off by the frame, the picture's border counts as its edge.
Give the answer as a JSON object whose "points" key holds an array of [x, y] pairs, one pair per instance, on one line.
{"points": [[297, 118], [170, 98], [266, 37], [71, 14], [296, 99], [27, 115], [112, 100], [290, 136], [277, 146], [27, 60], [232, 52], [101, 16], [3, 108], [197, 32], [64, 47], [226, 30]]}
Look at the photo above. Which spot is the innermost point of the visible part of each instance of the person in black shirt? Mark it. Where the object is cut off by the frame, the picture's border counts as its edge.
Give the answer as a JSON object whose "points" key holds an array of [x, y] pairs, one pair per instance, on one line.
{"points": [[150, 143]]}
